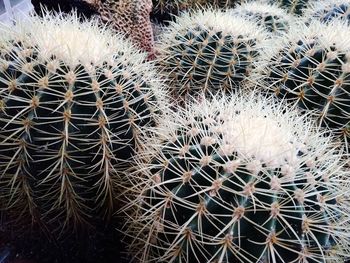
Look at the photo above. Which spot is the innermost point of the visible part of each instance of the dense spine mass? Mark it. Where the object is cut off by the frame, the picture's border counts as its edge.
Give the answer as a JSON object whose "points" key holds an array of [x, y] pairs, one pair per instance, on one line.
{"points": [[243, 180], [328, 10], [292, 6]]}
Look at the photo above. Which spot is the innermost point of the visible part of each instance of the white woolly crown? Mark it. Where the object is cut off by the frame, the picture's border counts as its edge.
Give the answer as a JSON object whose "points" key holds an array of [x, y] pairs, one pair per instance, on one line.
{"points": [[71, 40], [261, 8], [257, 128], [213, 20]]}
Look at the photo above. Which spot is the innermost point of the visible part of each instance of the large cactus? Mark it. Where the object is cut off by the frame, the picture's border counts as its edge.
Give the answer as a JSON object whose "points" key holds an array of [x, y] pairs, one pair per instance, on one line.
{"points": [[208, 50], [73, 101], [240, 180], [310, 67]]}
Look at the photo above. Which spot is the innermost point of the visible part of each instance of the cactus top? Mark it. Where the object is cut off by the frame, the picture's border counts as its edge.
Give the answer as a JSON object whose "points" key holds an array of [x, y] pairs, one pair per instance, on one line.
{"points": [[271, 16], [216, 21], [70, 41]]}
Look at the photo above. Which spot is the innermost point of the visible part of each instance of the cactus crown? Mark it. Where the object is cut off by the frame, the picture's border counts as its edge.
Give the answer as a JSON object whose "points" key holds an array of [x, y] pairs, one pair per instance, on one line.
{"points": [[208, 50], [240, 180], [73, 99]]}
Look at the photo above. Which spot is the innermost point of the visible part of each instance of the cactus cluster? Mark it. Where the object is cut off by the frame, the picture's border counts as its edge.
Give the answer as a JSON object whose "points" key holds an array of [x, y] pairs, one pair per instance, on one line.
{"points": [[270, 16], [208, 50], [91, 148], [240, 180], [73, 99], [310, 67], [328, 10]]}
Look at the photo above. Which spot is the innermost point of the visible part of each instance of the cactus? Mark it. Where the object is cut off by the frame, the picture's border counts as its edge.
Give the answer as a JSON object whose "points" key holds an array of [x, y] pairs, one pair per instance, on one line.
{"points": [[240, 180], [163, 6], [292, 6], [310, 67], [208, 50], [327, 10], [73, 98], [273, 18]]}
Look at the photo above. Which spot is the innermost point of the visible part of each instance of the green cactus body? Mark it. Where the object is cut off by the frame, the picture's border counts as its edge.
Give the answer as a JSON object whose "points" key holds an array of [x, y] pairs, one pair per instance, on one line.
{"points": [[311, 69], [270, 16], [241, 182], [70, 121], [292, 6], [208, 50]]}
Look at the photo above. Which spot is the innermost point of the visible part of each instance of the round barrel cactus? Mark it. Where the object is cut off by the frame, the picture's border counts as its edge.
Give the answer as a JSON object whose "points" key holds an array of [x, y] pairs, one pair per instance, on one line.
{"points": [[327, 10], [240, 180], [208, 50], [73, 100], [310, 67], [270, 16]]}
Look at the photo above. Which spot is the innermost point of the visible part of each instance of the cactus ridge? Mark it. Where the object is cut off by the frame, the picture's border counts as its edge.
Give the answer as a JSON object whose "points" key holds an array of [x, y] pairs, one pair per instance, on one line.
{"points": [[238, 181]]}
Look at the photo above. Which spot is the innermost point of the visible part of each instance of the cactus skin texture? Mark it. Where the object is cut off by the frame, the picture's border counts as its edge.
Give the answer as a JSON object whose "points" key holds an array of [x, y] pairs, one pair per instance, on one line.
{"points": [[240, 180], [270, 16], [70, 118], [311, 69], [208, 50], [327, 10], [292, 6]]}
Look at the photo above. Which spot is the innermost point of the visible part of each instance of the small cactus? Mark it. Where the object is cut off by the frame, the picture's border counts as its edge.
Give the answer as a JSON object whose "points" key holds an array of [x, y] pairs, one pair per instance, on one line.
{"points": [[327, 10], [240, 180], [208, 50], [310, 67], [73, 99], [270, 16]]}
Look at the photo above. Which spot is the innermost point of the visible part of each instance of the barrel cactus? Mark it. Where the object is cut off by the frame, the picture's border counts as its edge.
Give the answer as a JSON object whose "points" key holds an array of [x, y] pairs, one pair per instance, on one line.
{"points": [[208, 50], [240, 180], [328, 10], [270, 16], [310, 67], [73, 99]]}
